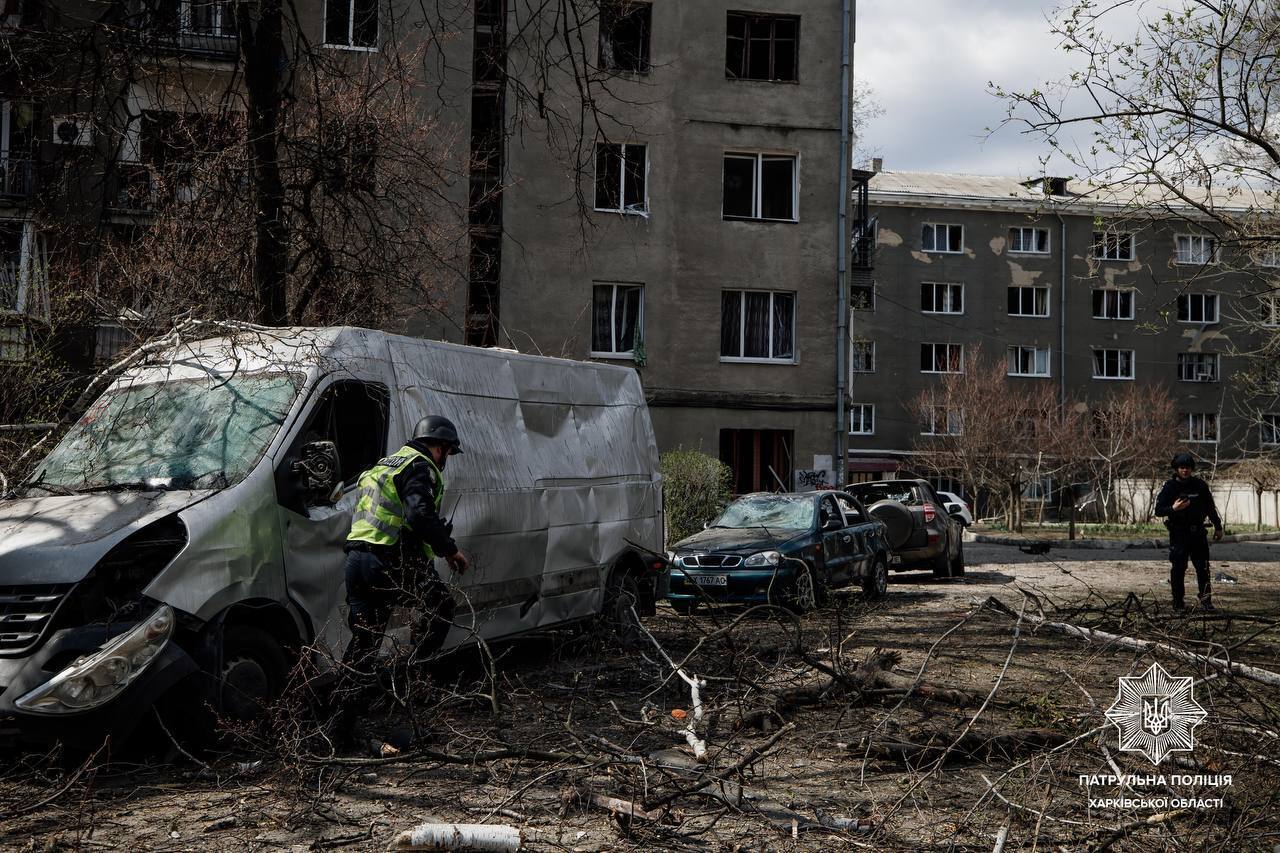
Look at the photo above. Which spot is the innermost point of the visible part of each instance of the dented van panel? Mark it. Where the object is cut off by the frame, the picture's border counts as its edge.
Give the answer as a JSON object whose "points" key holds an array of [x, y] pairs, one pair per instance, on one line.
{"points": [[208, 502]]}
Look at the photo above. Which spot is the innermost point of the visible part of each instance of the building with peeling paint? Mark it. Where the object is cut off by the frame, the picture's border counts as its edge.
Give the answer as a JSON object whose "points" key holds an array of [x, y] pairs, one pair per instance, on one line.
{"points": [[1070, 288]]}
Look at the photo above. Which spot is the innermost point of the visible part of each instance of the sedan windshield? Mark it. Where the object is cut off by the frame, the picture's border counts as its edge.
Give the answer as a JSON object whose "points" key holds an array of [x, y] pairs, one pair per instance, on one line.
{"points": [[768, 511], [183, 434]]}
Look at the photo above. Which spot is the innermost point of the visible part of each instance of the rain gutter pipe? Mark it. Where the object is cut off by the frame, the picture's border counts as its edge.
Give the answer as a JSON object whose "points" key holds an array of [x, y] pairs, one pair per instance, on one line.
{"points": [[842, 243]]}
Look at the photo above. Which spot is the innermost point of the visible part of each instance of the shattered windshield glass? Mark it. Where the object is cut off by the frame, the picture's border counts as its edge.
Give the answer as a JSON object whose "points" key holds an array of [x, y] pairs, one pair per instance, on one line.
{"points": [[204, 433], [770, 511]]}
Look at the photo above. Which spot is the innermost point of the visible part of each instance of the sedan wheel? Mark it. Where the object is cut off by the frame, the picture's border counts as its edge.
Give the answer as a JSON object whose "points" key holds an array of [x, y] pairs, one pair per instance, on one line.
{"points": [[876, 582]]}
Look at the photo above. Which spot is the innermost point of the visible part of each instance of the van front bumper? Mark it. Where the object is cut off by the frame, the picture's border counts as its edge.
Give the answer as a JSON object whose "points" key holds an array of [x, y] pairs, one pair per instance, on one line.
{"points": [[741, 585], [118, 716]]}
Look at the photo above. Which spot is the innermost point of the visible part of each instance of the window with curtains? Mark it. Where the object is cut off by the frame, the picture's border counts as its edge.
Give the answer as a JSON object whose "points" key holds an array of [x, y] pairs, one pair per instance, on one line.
{"points": [[1112, 303], [757, 325], [1028, 301], [617, 319], [1028, 361], [1195, 249], [1200, 426], [1198, 308], [1113, 364], [862, 419], [1031, 241], [1113, 246], [941, 358]]}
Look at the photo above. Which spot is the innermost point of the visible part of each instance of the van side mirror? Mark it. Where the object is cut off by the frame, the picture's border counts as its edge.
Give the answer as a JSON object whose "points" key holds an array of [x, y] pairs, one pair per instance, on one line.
{"points": [[316, 471]]}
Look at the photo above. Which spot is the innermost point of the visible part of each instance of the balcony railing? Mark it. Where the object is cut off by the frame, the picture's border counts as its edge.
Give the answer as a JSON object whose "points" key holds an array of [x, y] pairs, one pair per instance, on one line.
{"points": [[199, 29], [17, 177]]}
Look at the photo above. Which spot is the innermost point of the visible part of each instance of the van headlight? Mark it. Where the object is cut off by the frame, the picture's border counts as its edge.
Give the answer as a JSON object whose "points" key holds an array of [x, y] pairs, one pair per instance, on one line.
{"points": [[764, 558], [101, 676]]}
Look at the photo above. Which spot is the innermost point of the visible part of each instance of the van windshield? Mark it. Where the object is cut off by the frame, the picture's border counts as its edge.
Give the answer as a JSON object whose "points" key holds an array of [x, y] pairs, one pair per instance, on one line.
{"points": [[204, 433]]}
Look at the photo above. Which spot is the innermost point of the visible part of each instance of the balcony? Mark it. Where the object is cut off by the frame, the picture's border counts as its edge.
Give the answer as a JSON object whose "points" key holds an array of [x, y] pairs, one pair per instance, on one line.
{"points": [[17, 177], [189, 28]]}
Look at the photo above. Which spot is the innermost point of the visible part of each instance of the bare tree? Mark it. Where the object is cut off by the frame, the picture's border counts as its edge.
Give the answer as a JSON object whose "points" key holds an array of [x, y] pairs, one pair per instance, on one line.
{"points": [[1129, 438], [1262, 473]]}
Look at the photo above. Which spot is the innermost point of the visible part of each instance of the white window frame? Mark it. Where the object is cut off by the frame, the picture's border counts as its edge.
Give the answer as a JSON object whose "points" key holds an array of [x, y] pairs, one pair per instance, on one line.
{"points": [[1133, 364], [742, 327], [757, 203], [1269, 258], [951, 293], [30, 276], [1032, 287], [1191, 370], [622, 180], [222, 29], [1205, 420], [1269, 429], [1206, 300], [871, 353], [934, 352], [14, 345], [1114, 252], [866, 419], [1185, 249], [1118, 292], [1013, 359], [934, 226], [613, 311], [1022, 232], [351, 29], [1271, 310], [953, 417]]}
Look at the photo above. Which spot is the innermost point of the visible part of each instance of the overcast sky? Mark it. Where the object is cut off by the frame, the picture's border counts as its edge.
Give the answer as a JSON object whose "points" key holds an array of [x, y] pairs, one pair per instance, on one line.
{"points": [[929, 63]]}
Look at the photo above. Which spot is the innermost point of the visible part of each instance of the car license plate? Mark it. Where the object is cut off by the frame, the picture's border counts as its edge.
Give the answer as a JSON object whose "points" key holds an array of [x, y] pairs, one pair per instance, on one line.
{"points": [[711, 580]]}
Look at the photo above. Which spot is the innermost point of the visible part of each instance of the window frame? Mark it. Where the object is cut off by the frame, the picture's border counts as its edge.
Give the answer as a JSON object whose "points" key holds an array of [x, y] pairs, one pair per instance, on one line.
{"points": [[1188, 259], [866, 419], [757, 175], [935, 226], [1184, 301], [349, 44], [1033, 288], [1189, 369], [623, 210], [773, 19], [1269, 422], [1133, 364], [613, 309], [1100, 240], [629, 6], [871, 352], [1048, 360], [959, 348], [1021, 230], [1207, 419], [948, 287], [742, 328], [952, 415], [1119, 293], [1271, 309]]}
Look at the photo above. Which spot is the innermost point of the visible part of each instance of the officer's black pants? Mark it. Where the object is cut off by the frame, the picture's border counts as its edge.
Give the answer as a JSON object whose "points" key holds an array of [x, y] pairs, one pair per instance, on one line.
{"points": [[373, 589], [1190, 545]]}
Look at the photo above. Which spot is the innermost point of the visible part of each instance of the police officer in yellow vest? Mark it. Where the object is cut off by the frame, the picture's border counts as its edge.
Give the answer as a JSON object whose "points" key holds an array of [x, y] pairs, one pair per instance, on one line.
{"points": [[396, 533]]}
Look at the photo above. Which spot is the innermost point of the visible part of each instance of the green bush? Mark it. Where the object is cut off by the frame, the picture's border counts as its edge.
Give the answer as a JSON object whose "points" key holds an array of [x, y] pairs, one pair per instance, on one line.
{"points": [[695, 488]]}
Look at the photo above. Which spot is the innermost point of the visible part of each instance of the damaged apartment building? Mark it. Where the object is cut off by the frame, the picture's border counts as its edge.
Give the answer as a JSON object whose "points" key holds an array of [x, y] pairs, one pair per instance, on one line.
{"points": [[1067, 286], [670, 193]]}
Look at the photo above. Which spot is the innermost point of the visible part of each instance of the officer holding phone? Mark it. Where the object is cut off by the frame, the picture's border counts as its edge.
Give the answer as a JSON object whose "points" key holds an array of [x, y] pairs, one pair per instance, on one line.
{"points": [[1185, 502]]}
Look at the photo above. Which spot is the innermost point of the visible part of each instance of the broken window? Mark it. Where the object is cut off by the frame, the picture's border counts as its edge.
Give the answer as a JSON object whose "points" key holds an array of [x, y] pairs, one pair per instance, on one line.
{"points": [[17, 147], [624, 35], [941, 237], [176, 144], [1198, 366], [938, 298], [351, 23], [760, 459], [23, 270], [1110, 303], [1029, 240], [1270, 428], [862, 419], [1113, 364], [621, 172], [941, 358], [862, 356], [1029, 301], [1028, 361], [349, 152], [757, 325], [760, 186], [941, 420], [1198, 308], [353, 415], [1200, 426], [762, 47], [617, 318], [203, 17], [1113, 246]]}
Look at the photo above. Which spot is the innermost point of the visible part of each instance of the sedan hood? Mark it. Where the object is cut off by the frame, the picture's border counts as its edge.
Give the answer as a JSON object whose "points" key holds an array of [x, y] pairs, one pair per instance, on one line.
{"points": [[736, 540], [57, 539]]}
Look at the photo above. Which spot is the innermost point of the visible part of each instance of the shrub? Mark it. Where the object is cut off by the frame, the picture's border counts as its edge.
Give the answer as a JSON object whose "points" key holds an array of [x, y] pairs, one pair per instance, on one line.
{"points": [[695, 488]]}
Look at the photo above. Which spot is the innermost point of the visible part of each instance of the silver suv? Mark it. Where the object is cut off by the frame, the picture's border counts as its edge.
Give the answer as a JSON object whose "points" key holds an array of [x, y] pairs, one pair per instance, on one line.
{"points": [[920, 531]]}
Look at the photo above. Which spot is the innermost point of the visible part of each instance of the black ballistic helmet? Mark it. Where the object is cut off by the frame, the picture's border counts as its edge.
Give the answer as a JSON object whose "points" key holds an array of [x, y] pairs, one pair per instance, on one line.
{"points": [[1183, 459], [441, 429]]}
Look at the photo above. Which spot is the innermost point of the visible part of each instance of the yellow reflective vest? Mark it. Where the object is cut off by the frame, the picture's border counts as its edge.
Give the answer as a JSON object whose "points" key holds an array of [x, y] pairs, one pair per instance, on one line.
{"points": [[379, 513]]}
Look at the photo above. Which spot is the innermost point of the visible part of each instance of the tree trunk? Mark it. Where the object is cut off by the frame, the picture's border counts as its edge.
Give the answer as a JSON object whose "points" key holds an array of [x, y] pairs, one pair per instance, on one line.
{"points": [[1259, 509], [265, 63]]}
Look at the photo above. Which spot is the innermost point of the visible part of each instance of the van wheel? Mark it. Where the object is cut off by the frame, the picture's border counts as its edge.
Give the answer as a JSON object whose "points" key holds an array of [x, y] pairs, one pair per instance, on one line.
{"points": [[253, 672], [876, 583], [621, 600]]}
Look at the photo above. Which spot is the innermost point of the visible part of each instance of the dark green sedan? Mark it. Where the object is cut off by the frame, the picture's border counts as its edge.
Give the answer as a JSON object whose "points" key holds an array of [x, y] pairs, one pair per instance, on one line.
{"points": [[786, 549]]}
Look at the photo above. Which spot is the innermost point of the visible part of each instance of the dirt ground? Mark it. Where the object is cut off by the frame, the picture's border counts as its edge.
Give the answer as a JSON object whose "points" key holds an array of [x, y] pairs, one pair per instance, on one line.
{"points": [[805, 749]]}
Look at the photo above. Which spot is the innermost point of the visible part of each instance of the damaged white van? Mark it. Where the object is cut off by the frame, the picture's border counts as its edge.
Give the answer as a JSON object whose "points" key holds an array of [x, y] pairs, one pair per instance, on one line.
{"points": [[192, 521]]}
